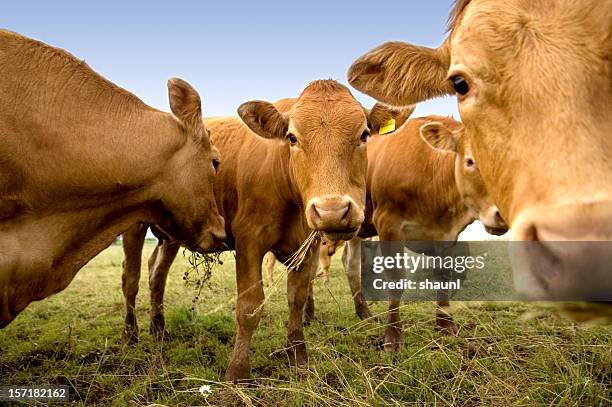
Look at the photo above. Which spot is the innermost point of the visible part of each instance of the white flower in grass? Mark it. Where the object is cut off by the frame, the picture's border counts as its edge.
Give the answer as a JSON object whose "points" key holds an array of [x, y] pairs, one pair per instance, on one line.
{"points": [[205, 390]]}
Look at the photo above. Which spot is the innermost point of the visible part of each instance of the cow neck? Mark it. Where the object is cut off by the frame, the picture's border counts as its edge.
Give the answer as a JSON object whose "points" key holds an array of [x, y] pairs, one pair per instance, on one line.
{"points": [[443, 200]]}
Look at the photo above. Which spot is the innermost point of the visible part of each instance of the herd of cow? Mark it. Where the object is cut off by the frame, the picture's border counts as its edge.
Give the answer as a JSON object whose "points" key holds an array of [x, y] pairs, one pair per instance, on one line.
{"points": [[83, 161]]}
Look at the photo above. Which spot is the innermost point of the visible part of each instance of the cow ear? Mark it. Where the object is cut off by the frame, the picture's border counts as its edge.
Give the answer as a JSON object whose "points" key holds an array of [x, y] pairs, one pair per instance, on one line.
{"points": [[388, 118], [263, 119], [185, 103], [402, 74], [439, 137]]}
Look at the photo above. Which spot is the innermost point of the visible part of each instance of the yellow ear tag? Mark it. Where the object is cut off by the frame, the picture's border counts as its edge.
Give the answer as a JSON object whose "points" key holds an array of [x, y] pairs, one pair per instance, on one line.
{"points": [[387, 127]]}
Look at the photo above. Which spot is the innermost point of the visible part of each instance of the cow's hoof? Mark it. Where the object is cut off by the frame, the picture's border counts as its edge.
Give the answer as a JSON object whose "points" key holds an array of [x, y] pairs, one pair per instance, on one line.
{"points": [[445, 324], [393, 337], [158, 329], [160, 334], [130, 336], [298, 356], [238, 371], [447, 327], [362, 310]]}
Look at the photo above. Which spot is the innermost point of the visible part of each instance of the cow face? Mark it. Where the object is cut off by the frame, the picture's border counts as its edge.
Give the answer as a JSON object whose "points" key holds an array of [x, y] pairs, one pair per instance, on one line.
{"points": [[534, 91], [325, 134], [188, 188], [470, 185]]}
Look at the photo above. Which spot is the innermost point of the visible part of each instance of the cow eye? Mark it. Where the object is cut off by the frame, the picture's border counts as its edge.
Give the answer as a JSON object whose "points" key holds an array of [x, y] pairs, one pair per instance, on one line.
{"points": [[469, 162], [460, 84], [292, 139], [215, 163], [364, 136]]}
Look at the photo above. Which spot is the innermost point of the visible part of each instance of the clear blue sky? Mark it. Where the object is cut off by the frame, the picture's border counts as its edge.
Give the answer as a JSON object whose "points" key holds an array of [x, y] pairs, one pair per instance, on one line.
{"points": [[230, 51]]}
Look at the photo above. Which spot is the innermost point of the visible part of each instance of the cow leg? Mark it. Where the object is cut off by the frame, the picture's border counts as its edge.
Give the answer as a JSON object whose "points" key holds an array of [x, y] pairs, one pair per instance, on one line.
{"points": [[268, 262], [248, 307], [444, 320], [393, 328], [309, 308], [351, 259], [159, 265], [133, 241], [298, 282], [324, 261]]}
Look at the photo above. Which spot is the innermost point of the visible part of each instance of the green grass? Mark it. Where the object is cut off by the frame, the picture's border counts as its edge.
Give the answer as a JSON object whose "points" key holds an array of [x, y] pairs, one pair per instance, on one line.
{"points": [[506, 353]]}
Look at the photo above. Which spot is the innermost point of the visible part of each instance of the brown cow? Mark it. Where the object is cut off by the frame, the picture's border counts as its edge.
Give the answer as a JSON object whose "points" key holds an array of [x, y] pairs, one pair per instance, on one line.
{"points": [[534, 88], [81, 160], [299, 166], [423, 185]]}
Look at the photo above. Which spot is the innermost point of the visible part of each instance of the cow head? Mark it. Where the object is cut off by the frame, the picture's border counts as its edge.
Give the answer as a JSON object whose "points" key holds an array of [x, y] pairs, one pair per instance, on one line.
{"points": [[187, 190], [471, 187], [325, 133], [533, 83]]}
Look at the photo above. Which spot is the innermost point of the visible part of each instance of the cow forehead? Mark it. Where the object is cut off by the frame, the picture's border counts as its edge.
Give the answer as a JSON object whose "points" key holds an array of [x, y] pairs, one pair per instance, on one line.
{"points": [[328, 113], [507, 31]]}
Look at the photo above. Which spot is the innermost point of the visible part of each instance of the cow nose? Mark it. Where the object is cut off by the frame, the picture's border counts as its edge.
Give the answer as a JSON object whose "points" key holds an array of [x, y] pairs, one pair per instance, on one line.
{"points": [[498, 218], [214, 236], [565, 253], [333, 214], [493, 222], [218, 238]]}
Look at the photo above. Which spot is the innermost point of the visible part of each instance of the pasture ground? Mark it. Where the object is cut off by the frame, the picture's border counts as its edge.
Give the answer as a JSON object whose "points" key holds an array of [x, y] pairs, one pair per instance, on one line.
{"points": [[506, 353]]}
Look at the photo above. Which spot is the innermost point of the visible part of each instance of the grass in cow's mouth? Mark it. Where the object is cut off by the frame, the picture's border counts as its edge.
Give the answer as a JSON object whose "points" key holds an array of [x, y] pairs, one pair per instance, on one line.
{"points": [[200, 271], [74, 338]]}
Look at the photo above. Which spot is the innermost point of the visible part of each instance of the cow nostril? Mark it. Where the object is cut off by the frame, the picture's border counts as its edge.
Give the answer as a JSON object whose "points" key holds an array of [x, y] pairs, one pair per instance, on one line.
{"points": [[531, 233], [315, 213], [347, 211]]}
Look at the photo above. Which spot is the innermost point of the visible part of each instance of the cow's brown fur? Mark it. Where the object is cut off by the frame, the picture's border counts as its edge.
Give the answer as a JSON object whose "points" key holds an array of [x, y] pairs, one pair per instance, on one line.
{"points": [[81, 160], [419, 193], [539, 82], [264, 188]]}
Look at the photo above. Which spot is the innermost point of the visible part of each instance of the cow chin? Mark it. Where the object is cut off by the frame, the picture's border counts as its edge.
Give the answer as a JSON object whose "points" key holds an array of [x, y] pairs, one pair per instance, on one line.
{"points": [[493, 222], [338, 236], [496, 231]]}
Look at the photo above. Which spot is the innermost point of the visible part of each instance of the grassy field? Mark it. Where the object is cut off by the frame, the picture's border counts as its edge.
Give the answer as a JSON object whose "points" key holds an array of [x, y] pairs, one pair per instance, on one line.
{"points": [[506, 353]]}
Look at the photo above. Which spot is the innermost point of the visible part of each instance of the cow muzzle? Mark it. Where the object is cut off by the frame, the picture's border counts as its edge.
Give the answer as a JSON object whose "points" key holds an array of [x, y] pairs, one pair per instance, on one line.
{"points": [[565, 253], [213, 237], [493, 222], [338, 217]]}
